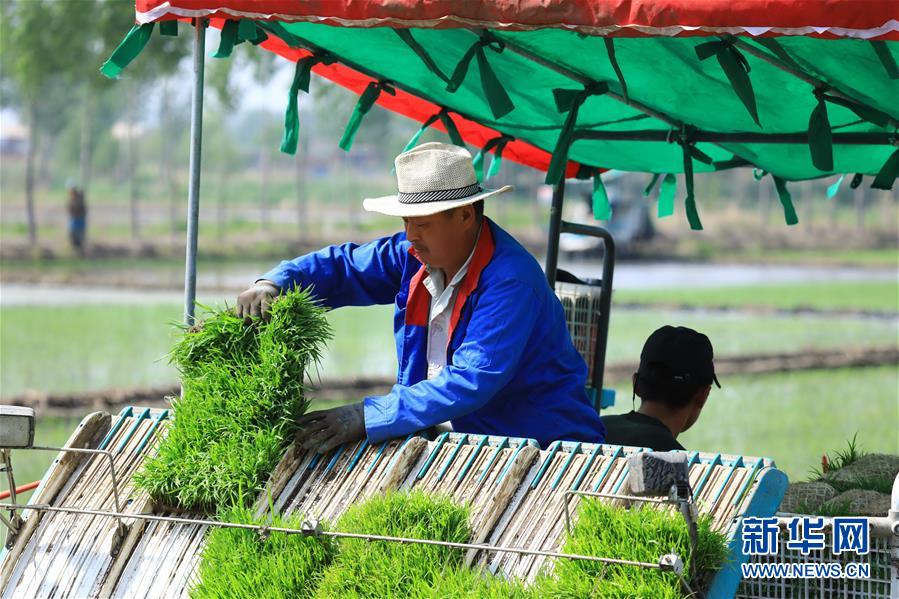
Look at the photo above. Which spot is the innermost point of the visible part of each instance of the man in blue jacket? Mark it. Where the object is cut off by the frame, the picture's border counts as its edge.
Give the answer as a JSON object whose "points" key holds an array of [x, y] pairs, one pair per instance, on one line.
{"points": [[481, 338]]}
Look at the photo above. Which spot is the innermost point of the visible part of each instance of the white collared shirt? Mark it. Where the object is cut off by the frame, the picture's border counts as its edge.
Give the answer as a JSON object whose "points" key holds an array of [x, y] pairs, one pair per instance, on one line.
{"points": [[443, 298]]}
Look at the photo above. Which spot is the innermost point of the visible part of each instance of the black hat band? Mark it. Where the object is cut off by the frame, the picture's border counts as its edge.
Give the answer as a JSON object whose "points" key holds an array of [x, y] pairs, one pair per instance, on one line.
{"points": [[438, 195]]}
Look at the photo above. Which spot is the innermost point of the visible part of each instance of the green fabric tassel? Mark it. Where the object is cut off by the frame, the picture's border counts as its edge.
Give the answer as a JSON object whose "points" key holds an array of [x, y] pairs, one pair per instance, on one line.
{"points": [[227, 40], [497, 144], [610, 51], [832, 190], [291, 114], [301, 76], [690, 201], [888, 173], [736, 68], [556, 170], [431, 120], [666, 195], [406, 36], [499, 101], [496, 162], [414, 139], [461, 69], [127, 50], [366, 101], [602, 209], [820, 137], [168, 28], [259, 35], [566, 99], [786, 200], [648, 189], [452, 131], [570, 101], [886, 58], [478, 164], [448, 124], [450, 127], [246, 31]]}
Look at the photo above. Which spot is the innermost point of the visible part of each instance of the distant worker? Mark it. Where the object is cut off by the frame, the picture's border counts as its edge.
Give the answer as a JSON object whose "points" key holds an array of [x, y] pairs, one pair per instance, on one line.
{"points": [[77, 208], [481, 338], [673, 382]]}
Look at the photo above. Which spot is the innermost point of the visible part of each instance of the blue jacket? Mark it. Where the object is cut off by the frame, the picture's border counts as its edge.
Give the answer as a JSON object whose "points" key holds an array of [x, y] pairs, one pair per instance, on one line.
{"points": [[511, 370]]}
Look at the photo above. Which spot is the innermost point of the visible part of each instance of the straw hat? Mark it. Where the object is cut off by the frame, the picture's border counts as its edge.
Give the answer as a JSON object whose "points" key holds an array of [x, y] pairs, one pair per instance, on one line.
{"points": [[431, 178]]}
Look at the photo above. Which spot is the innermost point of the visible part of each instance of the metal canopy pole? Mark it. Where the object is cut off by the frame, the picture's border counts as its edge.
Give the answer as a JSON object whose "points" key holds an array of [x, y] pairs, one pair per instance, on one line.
{"points": [[555, 229], [193, 194]]}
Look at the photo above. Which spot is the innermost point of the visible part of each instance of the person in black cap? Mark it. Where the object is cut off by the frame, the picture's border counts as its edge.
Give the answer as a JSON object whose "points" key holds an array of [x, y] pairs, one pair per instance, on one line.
{"points": [[673, 381]]}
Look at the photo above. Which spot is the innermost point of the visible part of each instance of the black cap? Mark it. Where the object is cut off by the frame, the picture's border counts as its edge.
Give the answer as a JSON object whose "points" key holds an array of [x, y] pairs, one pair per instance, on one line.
{"points": [[677, 356]]}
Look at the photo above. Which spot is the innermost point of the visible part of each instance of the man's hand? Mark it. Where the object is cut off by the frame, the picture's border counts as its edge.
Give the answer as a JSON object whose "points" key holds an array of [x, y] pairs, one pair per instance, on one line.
{"points": [[326, 429], [256, 300]]}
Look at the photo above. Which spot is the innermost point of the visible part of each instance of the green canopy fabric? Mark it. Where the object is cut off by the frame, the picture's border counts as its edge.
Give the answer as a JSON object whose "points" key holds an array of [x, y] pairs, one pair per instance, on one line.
{"points": [[664, 78], [574, 103]]}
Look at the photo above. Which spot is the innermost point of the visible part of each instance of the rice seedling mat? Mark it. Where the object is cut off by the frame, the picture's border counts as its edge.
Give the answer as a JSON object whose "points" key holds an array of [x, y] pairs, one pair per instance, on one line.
{"points": [[323, 486], [516, 492], [722, 486], [482, 470], [164, 563]]}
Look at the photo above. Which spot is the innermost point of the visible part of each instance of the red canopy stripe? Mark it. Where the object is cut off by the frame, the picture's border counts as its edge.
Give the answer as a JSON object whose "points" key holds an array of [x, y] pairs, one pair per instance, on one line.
{"points": [[867, 19]]}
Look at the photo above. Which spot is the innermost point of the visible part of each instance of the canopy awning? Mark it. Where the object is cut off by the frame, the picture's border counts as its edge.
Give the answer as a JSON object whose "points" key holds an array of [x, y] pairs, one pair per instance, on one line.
{"points": [[864, 19], [577, 87]]}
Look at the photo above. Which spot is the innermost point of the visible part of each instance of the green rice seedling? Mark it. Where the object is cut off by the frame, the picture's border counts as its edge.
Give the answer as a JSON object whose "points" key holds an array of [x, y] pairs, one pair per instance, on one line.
{"points": [[379, 569], [640, 534], [840, 459], [244, 388], [465, 583], [845, 457], [238, 563]]}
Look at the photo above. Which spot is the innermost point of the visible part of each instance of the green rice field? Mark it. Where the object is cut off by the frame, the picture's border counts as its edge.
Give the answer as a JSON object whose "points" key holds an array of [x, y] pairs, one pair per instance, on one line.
{"points": [[70, 348], [796, 417], [881, 296]]}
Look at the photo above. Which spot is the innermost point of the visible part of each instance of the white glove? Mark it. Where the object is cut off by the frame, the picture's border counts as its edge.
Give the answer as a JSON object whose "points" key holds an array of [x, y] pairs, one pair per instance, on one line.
{"points": [[256, 300]]}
